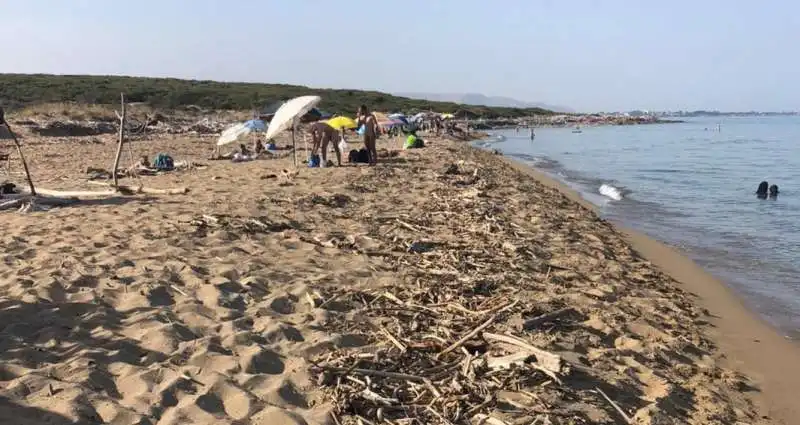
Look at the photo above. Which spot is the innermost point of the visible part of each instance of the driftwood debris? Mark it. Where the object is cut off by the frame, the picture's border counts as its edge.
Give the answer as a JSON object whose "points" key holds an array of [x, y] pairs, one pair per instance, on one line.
{"points": [[118, 155], [19, 151], [131, 189], [538, 320]]}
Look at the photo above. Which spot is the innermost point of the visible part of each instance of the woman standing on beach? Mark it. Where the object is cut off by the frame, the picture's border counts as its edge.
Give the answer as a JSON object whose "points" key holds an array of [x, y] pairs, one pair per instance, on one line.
{"points": [[370, 126]]}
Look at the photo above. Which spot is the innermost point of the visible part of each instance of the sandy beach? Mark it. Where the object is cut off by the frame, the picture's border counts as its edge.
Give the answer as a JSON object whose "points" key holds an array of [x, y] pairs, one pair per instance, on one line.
{"points": [[445, 285]]}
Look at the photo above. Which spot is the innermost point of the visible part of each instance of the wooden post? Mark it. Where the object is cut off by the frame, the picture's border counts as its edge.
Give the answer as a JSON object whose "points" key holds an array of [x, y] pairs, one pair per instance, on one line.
{"points": [[19, 150], [121, 140], [294, 141]]}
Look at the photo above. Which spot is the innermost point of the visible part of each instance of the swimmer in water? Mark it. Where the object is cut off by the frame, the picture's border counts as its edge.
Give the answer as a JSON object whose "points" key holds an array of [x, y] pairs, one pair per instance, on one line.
{"points": [[773, 191], [761, 192]]}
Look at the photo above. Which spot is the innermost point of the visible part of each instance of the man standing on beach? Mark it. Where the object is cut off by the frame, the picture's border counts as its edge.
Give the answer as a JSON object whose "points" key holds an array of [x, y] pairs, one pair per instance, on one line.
{"points": [[370, 124]]}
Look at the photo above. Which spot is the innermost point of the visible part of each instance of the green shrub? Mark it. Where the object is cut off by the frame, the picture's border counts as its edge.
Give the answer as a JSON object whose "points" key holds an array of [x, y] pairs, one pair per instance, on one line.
{"points": [[22, 90]]}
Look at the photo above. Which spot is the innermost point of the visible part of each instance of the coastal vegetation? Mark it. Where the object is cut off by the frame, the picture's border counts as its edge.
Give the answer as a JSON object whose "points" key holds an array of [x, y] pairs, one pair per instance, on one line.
{"points": [[18, 91]]}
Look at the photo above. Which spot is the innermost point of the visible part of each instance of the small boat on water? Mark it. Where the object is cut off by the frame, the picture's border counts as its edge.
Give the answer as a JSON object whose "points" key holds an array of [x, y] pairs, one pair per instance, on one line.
{"points": [[577, 130]]}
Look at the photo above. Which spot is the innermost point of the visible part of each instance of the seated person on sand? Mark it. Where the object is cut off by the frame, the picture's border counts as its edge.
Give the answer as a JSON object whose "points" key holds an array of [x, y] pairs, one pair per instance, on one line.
{"points": [[321, 135], [412, 140]]}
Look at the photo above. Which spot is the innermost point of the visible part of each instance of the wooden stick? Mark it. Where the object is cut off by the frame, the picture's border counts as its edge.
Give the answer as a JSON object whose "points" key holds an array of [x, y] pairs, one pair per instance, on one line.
{"points": [[78, 193], [121, 139], [468, 336], [547, 360], [370, 372], [538, 320], [294, 143], [21, 156], [615, 406], [14, 203], [126, 189]]}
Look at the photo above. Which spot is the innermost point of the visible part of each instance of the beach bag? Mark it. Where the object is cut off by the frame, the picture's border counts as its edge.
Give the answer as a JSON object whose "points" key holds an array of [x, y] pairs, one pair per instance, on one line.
{"points": [[163, 162], [359, 156]]}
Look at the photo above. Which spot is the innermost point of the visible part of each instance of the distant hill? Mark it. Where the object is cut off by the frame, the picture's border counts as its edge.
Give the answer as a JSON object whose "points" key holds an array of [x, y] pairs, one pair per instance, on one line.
{"points": [[480, 99], [20, 90]]}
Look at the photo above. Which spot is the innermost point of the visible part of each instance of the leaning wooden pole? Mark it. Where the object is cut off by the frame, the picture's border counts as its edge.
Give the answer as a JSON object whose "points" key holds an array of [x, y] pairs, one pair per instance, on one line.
{"points": [[19, 151], [294, 142], [117, 157]]}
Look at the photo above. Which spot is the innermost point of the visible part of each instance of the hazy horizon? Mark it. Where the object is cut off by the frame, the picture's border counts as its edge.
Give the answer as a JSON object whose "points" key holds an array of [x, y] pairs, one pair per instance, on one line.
{"points": [[585, 55]]}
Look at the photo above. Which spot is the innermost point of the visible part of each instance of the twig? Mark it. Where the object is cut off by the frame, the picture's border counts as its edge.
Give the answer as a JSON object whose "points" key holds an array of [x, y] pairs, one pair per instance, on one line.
{"points": [[394, 340], [469, 335], [178, 290], [480, 419], [370, 372], [329, 300], [538, 320], [615, 406]]}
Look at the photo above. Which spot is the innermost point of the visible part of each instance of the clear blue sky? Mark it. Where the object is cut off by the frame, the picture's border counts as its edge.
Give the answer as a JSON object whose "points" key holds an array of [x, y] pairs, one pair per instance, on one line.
{"points": [[585, 54]]}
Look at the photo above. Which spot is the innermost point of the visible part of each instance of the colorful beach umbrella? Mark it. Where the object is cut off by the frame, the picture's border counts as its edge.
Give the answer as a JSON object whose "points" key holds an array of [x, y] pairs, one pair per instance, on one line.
{"points": [[398, 117], [342, 122], [392, 123]]}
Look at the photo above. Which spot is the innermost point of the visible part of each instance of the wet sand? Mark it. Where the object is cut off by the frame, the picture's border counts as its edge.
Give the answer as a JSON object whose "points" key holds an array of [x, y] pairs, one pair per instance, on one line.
{"points": [[238, 302]]}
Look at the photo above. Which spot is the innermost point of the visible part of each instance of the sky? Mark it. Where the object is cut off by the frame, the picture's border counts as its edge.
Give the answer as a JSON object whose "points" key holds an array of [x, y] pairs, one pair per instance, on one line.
{"points": [[590, 55]]}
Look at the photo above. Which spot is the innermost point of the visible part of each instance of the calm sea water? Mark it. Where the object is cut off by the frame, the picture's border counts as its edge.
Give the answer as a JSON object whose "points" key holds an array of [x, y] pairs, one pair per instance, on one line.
{"points": [[694, 187]]}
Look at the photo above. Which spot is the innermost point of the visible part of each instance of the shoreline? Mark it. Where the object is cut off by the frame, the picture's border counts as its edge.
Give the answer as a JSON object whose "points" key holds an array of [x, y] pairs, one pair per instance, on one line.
{"points": [[747, 342]]}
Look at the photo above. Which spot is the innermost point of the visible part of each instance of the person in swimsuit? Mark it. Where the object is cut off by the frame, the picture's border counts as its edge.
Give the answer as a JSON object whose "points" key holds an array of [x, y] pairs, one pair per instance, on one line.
{"points": [[321, 135], [370, 123]]}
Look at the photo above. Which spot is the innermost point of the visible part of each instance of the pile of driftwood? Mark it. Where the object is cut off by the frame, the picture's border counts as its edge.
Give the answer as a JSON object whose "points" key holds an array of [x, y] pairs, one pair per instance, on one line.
{"points": [[451, 344], [239, 225], [438, 359]]}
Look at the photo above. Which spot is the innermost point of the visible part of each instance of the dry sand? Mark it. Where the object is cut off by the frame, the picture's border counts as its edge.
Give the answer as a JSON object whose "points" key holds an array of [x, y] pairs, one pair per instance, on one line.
{"points": [[184, 310]]}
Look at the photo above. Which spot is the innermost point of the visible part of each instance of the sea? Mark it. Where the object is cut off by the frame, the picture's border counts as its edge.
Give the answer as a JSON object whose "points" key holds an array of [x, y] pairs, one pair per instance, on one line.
{"points": [[692, 185]]}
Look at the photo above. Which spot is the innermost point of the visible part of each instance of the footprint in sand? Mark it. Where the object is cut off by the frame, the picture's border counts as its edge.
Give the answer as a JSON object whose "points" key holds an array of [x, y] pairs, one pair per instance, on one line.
{"points": [[262, 360], [283, 304], [276, 416]]}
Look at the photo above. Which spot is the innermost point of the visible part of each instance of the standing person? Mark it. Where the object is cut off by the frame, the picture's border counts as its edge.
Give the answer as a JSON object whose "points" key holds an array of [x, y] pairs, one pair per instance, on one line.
{"points": [[370, 123], [321, 135]]}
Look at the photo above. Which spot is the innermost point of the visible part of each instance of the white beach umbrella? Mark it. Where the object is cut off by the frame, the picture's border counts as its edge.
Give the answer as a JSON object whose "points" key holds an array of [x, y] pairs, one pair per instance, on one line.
{"points": [[288, 112], [240, 131], [286, 115]]}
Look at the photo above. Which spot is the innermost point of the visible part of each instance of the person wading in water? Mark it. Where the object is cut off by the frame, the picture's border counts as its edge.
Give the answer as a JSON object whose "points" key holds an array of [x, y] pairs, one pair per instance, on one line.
{"points": [[370, 123]]}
